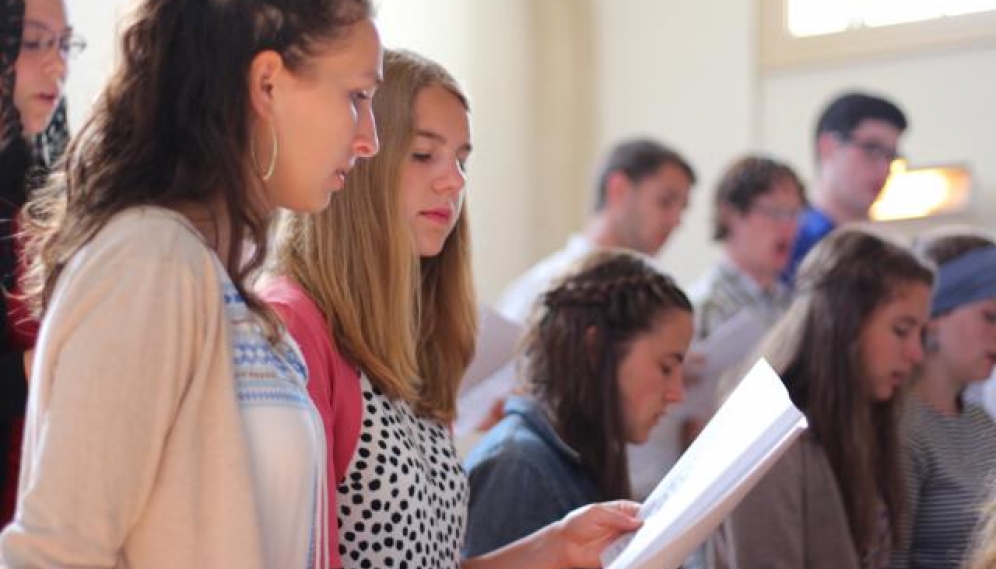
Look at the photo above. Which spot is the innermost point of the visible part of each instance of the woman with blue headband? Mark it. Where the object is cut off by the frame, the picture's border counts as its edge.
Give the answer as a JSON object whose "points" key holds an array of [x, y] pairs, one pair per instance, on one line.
{"points": [[950, 444]]}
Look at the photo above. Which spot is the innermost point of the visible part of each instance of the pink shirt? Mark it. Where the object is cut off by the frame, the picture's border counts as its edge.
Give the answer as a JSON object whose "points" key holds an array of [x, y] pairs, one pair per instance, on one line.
{"points": [[333, 383]]}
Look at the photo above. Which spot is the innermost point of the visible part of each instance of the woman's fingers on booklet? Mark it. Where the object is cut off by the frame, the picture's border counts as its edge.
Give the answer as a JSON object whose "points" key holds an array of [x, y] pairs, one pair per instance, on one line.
{"points": [[587, 531]]}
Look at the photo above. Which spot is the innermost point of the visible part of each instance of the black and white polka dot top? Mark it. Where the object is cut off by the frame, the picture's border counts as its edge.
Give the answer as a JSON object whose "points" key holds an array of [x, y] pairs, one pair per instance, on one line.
{"points": [[403, 500]]}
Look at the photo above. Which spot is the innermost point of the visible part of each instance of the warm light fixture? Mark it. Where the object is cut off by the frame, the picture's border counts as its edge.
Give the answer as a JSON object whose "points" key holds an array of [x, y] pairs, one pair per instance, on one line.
{"points": [[922, 192]]}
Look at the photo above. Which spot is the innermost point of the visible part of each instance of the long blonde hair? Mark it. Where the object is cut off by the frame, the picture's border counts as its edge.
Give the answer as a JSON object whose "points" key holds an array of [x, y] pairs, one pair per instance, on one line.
{"points": [[410, 325], [983, 552]]}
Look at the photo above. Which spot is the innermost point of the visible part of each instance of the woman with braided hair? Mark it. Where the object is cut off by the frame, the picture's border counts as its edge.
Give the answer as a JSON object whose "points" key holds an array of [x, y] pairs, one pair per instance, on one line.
{"points": [[603, 363]]}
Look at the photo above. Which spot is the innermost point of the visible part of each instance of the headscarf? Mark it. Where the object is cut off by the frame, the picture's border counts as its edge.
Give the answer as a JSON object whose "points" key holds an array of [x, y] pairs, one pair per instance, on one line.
{"points": [[967, 278]]}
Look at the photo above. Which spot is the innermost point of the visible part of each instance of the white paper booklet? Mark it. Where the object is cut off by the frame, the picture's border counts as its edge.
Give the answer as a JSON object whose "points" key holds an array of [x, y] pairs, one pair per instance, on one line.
{"points": [[491, 374], [745, 437]]}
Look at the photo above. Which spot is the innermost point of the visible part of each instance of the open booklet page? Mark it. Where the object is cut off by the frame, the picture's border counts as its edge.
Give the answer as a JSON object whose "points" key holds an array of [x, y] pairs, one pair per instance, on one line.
{"points": [[745, 437], [726, 348]]}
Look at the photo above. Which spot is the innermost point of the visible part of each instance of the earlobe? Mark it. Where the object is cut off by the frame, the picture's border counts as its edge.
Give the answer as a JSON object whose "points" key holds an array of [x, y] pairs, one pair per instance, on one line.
{"points": [[265, 72]]}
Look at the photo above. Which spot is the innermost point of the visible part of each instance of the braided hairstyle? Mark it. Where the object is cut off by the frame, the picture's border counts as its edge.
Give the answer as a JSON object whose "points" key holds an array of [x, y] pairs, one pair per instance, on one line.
{"points": [[583, 330]]}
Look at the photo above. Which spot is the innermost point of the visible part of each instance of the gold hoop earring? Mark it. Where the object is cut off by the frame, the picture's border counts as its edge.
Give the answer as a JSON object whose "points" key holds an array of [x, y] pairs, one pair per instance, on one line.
{"points": [[273, 157]]}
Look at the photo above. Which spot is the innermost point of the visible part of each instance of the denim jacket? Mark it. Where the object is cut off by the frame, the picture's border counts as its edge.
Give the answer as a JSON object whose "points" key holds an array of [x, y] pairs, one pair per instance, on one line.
{"points": [[522, 478]]}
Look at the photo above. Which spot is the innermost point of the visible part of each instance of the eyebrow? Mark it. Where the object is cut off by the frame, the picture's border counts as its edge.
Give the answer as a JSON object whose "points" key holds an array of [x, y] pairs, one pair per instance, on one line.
{"points": [[44, 26], [435, 136], [680, 356]]}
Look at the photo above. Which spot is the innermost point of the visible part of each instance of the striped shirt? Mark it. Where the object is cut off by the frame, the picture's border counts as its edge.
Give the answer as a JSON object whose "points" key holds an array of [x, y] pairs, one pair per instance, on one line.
{"points": [[725, 290], [948, 463]]}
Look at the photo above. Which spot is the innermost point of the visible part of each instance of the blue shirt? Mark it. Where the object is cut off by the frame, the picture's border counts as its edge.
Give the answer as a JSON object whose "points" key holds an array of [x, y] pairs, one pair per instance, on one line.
{"points": [[522, 478], [813, 226]]}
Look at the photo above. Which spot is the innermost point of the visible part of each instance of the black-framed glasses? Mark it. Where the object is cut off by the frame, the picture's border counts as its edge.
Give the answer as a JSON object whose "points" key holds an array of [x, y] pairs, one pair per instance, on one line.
{"points": [[872, 149], [38, 40]]}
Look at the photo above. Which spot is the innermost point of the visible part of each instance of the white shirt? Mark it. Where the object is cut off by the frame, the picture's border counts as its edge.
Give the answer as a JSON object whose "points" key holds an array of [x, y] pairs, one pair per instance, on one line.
{"points": [[518, 299]]}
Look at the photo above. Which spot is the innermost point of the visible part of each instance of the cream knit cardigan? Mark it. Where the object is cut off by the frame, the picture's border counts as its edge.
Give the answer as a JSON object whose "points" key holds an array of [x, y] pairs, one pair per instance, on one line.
{"points": [[134, 450]]}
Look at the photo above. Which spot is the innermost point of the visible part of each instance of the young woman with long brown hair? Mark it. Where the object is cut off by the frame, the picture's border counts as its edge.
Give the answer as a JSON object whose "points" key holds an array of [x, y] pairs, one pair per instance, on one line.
{"points": [[850, 339], [377, 291], [168, 423]]}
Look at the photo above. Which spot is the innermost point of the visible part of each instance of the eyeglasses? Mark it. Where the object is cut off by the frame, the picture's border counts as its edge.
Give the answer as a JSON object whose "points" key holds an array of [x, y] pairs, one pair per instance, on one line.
{"points": [[778, 214], [38, 40], [871, 149]]}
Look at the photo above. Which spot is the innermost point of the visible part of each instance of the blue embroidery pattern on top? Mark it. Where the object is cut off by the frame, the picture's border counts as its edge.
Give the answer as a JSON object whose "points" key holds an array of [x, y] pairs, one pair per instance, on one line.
{"points": [[264, 374]]}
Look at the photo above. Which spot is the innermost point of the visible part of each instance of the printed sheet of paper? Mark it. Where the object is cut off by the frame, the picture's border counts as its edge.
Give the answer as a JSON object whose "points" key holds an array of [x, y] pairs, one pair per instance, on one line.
{"points": [[723, 350], [491, 374], [733, 341], [744, 438]]}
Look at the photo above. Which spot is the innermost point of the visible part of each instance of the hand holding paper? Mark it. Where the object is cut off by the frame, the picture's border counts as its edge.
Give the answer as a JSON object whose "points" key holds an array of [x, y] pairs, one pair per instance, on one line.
{"points": [[755, 425]]}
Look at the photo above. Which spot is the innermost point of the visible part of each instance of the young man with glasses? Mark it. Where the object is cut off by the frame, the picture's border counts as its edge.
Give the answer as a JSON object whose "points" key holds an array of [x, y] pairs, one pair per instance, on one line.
{"points": [[857, 138], [757, 205]]}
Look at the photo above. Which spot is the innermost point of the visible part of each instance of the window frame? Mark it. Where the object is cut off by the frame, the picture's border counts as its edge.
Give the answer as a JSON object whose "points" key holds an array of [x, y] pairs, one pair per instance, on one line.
{"points": [[779, 49]]}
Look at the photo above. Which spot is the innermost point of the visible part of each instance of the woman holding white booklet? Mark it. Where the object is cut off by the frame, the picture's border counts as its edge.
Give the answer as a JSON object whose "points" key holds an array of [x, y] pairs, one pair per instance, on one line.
{"points": [[604, 362], [850, 338]]}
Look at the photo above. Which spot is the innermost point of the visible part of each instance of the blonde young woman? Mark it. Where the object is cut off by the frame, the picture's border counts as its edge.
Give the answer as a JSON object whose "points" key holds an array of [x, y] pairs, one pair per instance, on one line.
{"points": [[377, 291]]}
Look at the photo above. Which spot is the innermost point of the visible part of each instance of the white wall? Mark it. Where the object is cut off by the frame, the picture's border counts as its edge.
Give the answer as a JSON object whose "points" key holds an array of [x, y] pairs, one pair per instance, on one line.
{"points": [[682, 70], [97, 22]]}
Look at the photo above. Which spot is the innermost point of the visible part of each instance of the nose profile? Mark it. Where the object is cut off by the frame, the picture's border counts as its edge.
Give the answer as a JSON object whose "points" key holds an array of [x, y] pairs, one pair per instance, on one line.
{"points": [[914, 350], [453, 179], [56, 64], [676, 391], [366, 143]]}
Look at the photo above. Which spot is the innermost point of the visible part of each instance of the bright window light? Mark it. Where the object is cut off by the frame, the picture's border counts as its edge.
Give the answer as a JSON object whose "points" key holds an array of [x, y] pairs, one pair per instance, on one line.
{"points": [[922, 192], [820, 17]]}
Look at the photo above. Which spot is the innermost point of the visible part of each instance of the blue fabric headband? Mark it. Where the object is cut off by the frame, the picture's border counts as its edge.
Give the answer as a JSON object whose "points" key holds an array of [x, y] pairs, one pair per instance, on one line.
{"points": [[968, 278]]}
